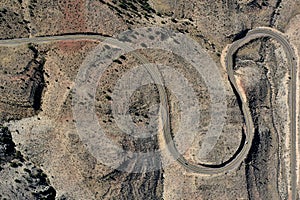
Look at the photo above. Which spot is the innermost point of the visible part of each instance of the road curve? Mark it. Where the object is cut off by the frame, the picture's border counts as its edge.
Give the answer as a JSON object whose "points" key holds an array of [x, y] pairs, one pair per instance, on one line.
{"points": [[238, 158], [291, 57], [155, 74], [249, 133]]}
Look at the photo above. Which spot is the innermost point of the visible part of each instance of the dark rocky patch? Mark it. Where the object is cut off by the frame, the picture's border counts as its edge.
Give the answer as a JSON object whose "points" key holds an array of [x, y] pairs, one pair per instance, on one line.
{"points": [[26, 181]]}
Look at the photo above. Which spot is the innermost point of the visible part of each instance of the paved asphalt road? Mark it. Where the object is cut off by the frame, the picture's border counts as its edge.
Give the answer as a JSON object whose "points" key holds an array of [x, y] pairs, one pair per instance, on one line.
{"points": [[290, 54], [239, 157]]}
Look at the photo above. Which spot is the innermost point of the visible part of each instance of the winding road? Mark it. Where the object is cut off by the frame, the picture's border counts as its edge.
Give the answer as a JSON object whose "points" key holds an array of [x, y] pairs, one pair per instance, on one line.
{"points": [[237, 158], [291, 57]]}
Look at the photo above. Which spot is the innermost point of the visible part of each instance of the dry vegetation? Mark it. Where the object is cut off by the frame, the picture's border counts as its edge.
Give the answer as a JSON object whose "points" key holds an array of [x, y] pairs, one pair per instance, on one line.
{"points": [[42, 155]]}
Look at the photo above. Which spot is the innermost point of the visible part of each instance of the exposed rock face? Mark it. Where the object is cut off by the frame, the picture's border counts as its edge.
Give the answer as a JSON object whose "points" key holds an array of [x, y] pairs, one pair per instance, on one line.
{"points": [[22, 89], [7, 150], [134, 185], [21, 179], [261, 74], [36, 83]]}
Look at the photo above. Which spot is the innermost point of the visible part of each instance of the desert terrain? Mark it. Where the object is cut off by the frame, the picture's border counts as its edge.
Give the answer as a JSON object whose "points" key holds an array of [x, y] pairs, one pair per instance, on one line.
{"points": [[149, 99]]}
